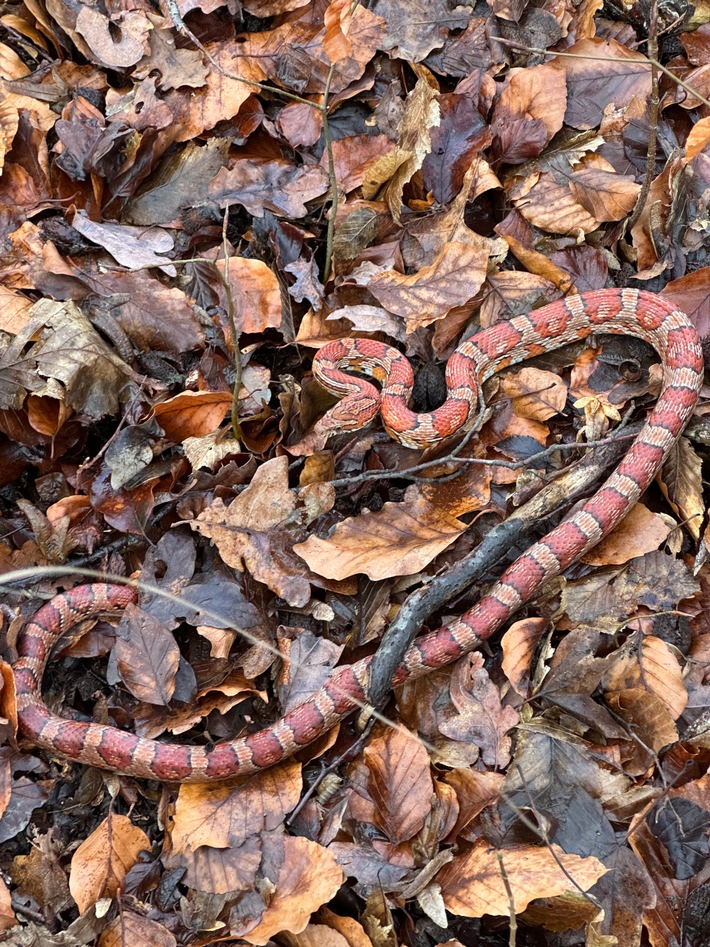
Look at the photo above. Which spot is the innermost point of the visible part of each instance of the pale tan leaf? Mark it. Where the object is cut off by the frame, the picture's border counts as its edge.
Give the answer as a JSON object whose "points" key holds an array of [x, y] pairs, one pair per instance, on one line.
{"points": [[257, 529], [451, 280], [401, 538], [650, 665], [534, 393], [649, 720], [397, 168]]}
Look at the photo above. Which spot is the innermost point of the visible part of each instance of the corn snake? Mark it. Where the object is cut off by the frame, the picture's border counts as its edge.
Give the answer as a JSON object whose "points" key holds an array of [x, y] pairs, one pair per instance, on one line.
{"points": [[614, 311]]}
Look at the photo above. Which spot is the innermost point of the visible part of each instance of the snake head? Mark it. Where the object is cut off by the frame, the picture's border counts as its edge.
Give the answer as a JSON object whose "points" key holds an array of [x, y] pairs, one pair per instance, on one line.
{"points": [[351, 414]]}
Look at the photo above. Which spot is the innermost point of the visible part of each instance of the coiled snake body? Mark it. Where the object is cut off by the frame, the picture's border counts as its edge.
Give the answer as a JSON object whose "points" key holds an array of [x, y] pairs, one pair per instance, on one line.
{"points": [[627, 312]]}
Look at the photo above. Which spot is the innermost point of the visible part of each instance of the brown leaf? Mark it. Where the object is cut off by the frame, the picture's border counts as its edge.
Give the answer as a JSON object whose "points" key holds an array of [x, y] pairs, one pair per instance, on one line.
{"points": [[255, 530], [192, 413], [224, 815], [255, 295], [387, 176], [129, 928], [7, 915], [176, 67], [70, 355], [261, 185], [300, 124], [148, 658], [650, 722], [184, 177], [536, 98], [607, 73], [332, 931], [602, 192], [460, 136], [640, 531], [115, 42], [399, 539], [100, 864], [477, 715], [513, 294], [479, 881], [691, 294], [519, 644], [698, 138], [399, 783], [308, 878], [308, 662], [535, 394], [413, 36], [651, 665], [154, 316], [451, 280], [338, 22], [15, 311], [353, 159], [681, 483]]}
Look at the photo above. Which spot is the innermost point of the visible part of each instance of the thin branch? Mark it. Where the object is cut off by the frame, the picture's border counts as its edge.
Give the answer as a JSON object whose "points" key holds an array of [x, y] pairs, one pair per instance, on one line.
{"points": [[233, 329], [653, 110], [651, 62], [334, 197]]}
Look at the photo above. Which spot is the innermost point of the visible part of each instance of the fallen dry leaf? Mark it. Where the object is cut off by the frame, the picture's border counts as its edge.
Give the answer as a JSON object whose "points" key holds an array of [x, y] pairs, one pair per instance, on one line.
{"points": [[100, 864], [401, 538], [452, 279], [129, 927], [309, 877], [487, 880], [253, 531], [399, 784]]}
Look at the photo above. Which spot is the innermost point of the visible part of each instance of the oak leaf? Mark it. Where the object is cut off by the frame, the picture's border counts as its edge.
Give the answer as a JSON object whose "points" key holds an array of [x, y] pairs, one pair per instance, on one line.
{"points": [[255, 531]]}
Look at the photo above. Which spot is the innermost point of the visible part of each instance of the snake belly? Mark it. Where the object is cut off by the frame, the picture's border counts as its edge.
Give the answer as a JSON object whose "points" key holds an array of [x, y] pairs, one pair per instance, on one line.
{"points": [[625, 312]]}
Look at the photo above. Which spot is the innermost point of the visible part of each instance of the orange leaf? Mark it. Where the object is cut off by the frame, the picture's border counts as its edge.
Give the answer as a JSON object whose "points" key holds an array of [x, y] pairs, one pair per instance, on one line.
{"points": [[474, 884], [100, 863], [400, 783], [192, 413], [309, 877]]}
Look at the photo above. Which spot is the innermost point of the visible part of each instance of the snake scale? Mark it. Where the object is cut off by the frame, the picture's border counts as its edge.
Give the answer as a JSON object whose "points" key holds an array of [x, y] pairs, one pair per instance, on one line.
{"points": [[626, 312]]}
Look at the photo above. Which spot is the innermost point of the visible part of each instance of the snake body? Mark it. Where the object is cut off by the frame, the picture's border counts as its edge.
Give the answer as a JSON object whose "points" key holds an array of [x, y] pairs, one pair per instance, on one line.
{"points": [[626, 312]]}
